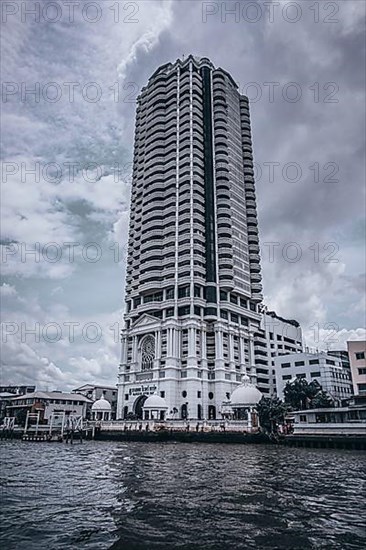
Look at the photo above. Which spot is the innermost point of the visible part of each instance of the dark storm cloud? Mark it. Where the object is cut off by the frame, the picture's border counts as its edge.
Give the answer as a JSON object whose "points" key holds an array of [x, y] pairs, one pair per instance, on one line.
{"points": [[309, 213]]}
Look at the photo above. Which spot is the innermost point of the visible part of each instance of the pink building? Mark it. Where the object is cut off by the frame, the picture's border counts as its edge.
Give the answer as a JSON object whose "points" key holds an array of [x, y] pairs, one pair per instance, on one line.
{"points": [[357, 353]]}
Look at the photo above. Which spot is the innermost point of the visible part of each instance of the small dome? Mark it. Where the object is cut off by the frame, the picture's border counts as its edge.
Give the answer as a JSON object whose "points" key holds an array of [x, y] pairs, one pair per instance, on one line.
{"points": [[101, 405], [245, 394], [155, 402]]}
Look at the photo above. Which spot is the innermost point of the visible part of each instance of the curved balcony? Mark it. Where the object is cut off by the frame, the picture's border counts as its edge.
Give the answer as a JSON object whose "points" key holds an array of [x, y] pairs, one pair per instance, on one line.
{"points": [[255, 277], [256, 287], [168, 271], [148, 235], [254, 257], [149, 286], [253, 239]]}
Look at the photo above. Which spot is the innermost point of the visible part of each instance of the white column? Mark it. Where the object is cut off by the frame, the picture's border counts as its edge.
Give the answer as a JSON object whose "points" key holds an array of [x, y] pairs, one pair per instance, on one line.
{"points": [[250, 418], [174, 342], [219, 345], [123, 350], [203, 345], [169, 342], [192, 342], [134, 349], [253, 373], [242, 352], [157, 344], [231, 348]]}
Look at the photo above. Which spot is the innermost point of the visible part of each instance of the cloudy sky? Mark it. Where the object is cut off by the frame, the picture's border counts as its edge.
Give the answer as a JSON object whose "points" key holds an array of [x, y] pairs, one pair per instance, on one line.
{"points": [[71, 74]]}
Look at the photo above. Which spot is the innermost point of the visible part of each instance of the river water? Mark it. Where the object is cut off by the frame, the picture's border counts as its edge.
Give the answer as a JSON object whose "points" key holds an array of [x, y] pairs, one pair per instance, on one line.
{"points": [[99, 495]]}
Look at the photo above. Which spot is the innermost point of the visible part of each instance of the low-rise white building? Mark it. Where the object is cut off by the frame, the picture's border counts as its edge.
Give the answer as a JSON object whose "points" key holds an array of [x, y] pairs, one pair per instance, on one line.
{"points": [[98, 391], [326, 369], [47, 403]]}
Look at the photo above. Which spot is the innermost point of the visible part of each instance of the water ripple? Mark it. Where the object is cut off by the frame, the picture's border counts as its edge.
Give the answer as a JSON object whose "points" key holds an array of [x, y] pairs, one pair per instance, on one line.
{"points": [[172, 495]]}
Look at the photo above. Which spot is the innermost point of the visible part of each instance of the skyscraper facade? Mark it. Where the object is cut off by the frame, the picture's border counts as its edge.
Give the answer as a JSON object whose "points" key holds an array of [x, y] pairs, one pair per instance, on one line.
{"points": [[193, 285]]}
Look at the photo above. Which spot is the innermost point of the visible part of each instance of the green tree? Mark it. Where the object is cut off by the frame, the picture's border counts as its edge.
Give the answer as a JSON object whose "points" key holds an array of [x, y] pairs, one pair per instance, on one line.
{"points": [[296, 394], [300, 395], [321, 400], [271, 412]]}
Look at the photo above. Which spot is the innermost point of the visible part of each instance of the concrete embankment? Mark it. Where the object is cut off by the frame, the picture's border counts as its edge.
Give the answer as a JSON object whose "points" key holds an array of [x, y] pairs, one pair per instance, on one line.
{"points": [[182, 436]]}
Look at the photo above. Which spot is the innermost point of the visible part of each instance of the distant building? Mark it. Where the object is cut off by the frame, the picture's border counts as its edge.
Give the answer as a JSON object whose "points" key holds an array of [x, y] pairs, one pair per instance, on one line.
{"points": [[5, 398], [325, 369], [343, 356], [95, 392], [17, 390], [47, 403], [357, 353], [277, 336]]}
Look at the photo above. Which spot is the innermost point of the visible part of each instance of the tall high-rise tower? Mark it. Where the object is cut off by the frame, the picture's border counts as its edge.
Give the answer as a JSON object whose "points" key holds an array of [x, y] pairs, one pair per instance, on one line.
{"points": [[193, 275]]}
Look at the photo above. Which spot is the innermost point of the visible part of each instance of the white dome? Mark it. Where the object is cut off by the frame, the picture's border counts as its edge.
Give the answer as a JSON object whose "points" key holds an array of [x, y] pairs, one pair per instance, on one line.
{"points": [[155, 402], [245, 394], [101, 405]]}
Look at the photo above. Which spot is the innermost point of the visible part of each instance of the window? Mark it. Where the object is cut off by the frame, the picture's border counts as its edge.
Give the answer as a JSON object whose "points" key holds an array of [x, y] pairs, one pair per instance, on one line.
{"points": [[301, 376], [147, 352], [360, 355], [170, 293], [197, 291], [302, 417], [234, 318], [210, 311], [169, 312], [314, 362], [361, 371], [233, 299], [361, 387], [162, 394], [299, 363], [183, 292], [223, 295], [126, 396], [198, 394], [286, 377], [210, 395], [329, 362], [223, 314], [315, 374], [184, 393], [183, 310], [286, 365], [197, 310]]}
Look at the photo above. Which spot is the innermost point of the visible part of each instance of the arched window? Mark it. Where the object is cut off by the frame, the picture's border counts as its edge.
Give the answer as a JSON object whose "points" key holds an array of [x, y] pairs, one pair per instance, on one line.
{"points": [[147, 352], [184, 411], [212, 412]]}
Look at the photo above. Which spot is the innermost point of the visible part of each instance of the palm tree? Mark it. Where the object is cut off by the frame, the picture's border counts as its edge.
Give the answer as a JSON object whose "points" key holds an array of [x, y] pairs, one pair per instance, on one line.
{"points": [[271, 412]]}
